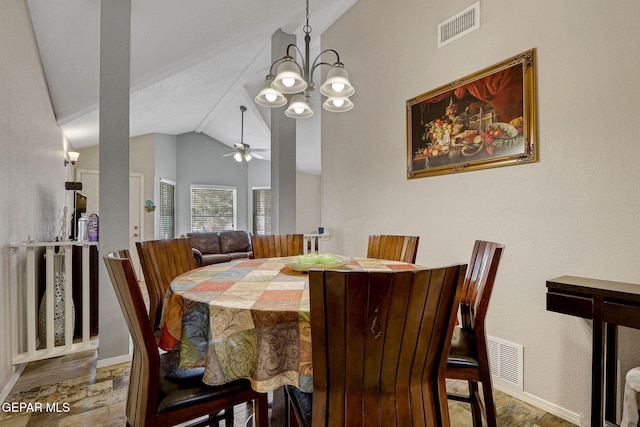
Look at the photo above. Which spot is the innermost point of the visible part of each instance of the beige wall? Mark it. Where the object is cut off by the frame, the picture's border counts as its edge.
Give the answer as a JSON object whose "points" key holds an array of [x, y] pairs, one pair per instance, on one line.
{"points": [[32, 171], [574, 212], [141, 160]]}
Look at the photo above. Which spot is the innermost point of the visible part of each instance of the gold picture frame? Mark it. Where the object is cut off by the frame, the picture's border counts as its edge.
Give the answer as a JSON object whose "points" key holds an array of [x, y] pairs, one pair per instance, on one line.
{"points": [[484, 120]]}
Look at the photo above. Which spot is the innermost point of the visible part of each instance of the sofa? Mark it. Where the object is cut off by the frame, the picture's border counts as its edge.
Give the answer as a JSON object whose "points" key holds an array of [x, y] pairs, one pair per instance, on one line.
{"points": [[210, 247]]}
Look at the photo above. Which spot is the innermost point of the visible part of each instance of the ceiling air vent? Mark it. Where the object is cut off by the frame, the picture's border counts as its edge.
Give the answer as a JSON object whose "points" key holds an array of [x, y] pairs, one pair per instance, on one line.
{"points": [[459, 25]]}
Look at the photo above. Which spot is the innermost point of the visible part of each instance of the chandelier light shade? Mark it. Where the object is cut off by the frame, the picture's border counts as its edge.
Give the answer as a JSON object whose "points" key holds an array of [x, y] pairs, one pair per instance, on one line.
{"points": [[338, 105], [287, 77], [337, 83], [298, 107], [269, 97]]}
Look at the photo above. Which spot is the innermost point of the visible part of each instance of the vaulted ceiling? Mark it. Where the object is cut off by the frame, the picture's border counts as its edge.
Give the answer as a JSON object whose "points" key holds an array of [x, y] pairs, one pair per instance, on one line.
{"points": [[193, 63]]}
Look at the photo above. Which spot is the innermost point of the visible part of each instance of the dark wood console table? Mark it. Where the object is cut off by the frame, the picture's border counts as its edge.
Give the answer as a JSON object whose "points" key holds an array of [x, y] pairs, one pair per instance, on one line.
{"points": [[608, 304]]}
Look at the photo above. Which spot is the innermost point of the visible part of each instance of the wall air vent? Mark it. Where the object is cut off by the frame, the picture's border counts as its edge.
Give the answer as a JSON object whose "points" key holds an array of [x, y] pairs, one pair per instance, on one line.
{"points": [[459, 25], [506, 362]]}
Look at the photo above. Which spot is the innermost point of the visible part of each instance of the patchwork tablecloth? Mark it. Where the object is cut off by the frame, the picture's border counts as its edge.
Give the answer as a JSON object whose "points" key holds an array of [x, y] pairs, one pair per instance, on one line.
{"points": [[247, 319]]}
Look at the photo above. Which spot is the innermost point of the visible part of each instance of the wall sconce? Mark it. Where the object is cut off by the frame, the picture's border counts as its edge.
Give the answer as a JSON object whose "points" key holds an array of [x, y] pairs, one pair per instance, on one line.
{"points": [[73, 158]]}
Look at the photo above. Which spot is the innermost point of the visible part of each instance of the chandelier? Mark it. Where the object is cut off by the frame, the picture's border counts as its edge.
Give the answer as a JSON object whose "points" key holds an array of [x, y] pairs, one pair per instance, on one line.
{"points": [[292, 79]]}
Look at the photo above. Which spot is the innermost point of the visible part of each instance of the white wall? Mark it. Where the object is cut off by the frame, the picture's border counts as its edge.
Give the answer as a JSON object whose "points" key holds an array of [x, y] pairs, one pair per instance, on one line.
{"points": [[307, 203], [574, 212], [32, 149]]}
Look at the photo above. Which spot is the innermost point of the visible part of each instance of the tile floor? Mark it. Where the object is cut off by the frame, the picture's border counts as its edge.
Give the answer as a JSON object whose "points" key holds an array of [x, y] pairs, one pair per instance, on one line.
{"points": [[96, 397]]}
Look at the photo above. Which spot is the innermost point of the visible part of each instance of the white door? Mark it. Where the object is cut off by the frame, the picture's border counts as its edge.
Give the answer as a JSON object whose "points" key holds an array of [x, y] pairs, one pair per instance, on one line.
{"points": [[91, 189]]}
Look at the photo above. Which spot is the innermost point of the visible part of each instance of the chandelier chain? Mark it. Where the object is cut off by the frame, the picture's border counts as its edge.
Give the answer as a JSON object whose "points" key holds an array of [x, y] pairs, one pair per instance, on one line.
{"points": [[307, 27]]}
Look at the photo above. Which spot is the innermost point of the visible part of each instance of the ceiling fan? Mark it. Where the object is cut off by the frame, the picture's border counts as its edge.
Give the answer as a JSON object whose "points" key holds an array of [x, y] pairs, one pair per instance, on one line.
{"points": [[242, 151]]}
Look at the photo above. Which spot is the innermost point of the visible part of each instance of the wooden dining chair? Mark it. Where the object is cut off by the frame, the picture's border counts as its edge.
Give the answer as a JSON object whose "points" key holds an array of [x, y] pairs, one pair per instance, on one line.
{"points": [[468, 359], [395, 248], [277, 245], [380, 346], [160, 393], [161, 262]]}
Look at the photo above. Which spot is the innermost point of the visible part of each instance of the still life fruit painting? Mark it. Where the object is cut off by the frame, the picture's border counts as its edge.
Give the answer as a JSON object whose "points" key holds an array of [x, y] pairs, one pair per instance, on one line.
{"points": [[483, 120]]}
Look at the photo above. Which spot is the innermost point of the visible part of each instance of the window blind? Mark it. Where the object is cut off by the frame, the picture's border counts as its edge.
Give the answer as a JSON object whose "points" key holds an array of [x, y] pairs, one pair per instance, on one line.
{"points": [[262, 211], [167, 210], [213, 208]]}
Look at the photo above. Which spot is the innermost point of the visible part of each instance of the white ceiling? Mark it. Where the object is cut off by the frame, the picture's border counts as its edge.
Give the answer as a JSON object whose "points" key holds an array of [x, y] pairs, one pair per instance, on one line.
{"points": [[193, 63]]}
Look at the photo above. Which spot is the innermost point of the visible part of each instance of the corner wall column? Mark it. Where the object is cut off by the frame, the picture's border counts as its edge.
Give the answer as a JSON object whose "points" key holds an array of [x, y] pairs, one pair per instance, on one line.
{"points": [[283, 154], [115, 42]]}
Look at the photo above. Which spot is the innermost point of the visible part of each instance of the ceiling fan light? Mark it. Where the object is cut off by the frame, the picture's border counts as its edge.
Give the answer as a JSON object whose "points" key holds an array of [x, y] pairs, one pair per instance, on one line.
{"points": [[237, 156], [247, 156], [289, 77], [338, 105], [299, 108], [269, 97], [337, 84]]}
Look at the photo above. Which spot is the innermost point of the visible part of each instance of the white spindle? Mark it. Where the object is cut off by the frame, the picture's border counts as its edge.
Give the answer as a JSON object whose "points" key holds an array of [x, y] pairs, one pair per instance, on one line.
{"points": [[50, 279], [312, 242], [68, 298], [31, 301], [86, 278]]}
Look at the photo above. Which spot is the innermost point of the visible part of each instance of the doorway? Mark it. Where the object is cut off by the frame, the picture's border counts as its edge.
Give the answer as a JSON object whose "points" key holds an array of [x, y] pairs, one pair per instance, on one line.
{"points": [[91, 188]]}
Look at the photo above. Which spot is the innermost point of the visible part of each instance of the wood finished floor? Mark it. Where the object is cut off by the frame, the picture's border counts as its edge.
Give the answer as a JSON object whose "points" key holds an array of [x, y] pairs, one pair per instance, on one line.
{"points": [[96, 397]]}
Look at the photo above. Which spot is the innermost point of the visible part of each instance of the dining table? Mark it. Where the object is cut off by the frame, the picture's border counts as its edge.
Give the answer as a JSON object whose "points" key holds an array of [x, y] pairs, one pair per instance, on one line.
{"points": [[249, 318]]}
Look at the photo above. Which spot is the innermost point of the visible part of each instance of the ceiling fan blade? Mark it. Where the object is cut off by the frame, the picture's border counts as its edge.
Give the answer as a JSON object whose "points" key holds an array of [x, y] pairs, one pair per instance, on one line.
{"points": [[257, 156], [220, 148], [228, 154]]}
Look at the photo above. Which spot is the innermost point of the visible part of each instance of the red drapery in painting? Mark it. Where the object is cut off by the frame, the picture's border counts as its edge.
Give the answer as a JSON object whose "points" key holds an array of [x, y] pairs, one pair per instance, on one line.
{"points": [[502, 90]]}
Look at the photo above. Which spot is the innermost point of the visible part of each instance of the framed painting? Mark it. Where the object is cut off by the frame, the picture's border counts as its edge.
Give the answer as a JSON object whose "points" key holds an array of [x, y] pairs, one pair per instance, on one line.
{"points": [[484, 120]]}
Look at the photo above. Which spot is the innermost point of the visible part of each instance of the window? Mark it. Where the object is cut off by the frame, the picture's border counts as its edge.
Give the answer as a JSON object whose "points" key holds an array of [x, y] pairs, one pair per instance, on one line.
{"points": [[213, 208], [167, 209], [261, 211]]}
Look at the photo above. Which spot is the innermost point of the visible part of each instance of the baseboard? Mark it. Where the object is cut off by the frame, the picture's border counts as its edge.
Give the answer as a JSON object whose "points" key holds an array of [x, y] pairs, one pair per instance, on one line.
{"points": [[12, 382], [113, 361], [549, 407]]}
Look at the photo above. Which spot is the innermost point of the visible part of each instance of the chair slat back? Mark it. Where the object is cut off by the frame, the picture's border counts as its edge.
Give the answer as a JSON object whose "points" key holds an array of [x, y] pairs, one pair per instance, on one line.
{"points": [[395, 248], [162, 261], [380, 344], [478, 283], [146, 359], [277, 245]]}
